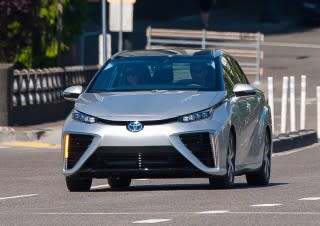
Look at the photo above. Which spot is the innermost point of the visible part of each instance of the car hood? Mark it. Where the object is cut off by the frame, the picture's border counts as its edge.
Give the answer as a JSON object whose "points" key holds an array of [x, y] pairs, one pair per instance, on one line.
{"points": [[145, 105]]}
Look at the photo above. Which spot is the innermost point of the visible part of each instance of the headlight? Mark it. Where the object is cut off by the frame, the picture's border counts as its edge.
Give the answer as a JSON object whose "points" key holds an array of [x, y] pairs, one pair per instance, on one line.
{"points": [[83, 117], [197, 115]]}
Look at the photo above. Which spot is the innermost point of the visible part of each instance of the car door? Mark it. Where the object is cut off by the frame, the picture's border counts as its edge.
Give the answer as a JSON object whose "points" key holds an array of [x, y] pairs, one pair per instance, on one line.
{"points": [[251, 108], [239, 111]]}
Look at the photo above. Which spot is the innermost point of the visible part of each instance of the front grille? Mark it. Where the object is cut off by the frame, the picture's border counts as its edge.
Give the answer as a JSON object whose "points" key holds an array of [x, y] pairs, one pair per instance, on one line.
{"points": [[135, 158], [199, 145], [78, 144], [152, 122]]}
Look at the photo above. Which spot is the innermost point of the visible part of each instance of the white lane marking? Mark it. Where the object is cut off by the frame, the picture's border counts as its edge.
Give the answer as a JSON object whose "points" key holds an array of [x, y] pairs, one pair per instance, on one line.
{"points": [[310, 199], [100, 186], [296, 150], [295, 45], [213, 212], [151, 221], [266, 205], [142, 179], [3, 147], [308, 100], [18, 196]]}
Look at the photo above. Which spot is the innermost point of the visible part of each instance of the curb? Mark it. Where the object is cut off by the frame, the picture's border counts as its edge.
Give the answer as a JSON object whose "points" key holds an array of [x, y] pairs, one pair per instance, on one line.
{"points": [[10, 134], [285, 142], [7, 134]]}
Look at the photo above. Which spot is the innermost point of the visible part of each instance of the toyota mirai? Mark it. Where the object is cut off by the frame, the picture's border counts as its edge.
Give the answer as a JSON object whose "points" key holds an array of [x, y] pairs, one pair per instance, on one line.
{"points": [[167, 114]]}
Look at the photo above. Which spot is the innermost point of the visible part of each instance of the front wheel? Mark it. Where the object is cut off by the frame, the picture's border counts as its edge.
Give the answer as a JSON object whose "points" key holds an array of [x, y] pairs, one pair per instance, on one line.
{"points": [[262, 176], [119, 182], [75, 183], [227, 181]]}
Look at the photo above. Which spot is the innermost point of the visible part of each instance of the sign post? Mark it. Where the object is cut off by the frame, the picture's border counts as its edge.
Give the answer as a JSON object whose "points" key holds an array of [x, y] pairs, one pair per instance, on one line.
{"points": [[121, 17], [104, 45]]}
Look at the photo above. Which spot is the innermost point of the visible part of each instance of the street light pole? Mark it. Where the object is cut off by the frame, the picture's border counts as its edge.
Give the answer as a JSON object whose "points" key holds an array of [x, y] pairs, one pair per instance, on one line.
{"points": [[104, 44]]}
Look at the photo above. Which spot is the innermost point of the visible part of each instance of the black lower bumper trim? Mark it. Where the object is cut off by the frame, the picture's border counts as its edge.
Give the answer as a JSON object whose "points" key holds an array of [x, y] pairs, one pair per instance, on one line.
{"points": [[143, 173]]}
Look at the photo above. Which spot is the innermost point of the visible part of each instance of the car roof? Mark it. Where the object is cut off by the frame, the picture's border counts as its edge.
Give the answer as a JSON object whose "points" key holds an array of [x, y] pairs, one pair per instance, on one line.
{"points": [[167, 52]]}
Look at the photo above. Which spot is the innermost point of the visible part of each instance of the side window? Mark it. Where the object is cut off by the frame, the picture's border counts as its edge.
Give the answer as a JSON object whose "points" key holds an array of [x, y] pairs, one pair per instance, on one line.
{"points": [[227, 75], [237, 71]]}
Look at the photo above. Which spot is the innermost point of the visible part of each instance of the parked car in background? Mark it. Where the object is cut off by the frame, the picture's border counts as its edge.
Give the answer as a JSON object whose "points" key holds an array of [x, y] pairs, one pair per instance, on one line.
{"points": [[167, 114]]}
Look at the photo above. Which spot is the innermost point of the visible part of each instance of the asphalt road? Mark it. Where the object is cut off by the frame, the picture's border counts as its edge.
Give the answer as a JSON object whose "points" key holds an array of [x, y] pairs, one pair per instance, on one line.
{"points": [[293, 61], [33, 192]]}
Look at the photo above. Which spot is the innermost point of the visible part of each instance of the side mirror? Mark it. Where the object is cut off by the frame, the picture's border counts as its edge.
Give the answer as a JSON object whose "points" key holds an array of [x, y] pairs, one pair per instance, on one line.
{"points": [[244, 90], [72, 93]]}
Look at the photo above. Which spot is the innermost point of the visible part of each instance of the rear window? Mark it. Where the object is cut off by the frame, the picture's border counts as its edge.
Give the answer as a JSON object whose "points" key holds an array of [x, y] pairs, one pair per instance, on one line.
{"points": [[158, 73]]}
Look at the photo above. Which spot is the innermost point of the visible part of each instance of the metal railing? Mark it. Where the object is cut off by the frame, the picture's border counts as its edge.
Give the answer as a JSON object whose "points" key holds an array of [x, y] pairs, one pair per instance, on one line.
{"points": [[42, 86], [246, 47], [35, 95]]}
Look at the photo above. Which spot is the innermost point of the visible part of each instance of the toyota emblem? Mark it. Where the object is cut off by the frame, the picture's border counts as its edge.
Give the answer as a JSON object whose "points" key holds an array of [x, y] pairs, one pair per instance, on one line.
{"points": [[134, 126]]}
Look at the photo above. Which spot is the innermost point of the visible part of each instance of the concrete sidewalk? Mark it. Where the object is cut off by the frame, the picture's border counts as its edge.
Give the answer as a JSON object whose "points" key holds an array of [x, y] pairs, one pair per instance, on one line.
{"points": [[47, 133], [49, 136]]}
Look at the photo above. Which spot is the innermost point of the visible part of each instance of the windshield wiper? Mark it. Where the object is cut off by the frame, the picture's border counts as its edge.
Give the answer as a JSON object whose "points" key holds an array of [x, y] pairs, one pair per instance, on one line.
{"points": [[159, 90], [97, 91]]}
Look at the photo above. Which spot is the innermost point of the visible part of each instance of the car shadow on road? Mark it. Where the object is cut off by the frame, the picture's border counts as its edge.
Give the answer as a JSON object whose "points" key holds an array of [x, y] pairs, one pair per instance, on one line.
{"points": [[176, 187]]}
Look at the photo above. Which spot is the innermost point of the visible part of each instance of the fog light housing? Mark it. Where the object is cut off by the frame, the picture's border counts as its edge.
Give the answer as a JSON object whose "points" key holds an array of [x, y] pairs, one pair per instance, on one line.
{"points": [[214, 150]]}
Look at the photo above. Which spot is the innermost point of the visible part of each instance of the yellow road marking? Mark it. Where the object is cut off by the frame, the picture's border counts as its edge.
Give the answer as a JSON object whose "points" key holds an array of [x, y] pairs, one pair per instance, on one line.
{"points": [[31, 144]]}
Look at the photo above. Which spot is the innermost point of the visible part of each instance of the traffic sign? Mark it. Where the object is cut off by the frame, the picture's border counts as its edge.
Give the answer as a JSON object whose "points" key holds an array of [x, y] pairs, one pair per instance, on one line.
{"points": [[121, 15]]}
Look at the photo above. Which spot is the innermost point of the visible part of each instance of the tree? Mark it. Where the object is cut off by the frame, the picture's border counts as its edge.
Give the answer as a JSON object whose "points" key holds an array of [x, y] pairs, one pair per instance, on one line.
{"points": [[14, 35], [34, 32]]}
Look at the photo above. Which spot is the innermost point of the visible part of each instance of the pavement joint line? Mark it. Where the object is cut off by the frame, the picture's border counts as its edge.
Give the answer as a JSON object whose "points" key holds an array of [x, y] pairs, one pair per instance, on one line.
{"points": [[266, 205], [31, 144], [151, 221], [170, 213], [296, 150], [115, 213], [17, 196], [278, 213], [310, 199]]}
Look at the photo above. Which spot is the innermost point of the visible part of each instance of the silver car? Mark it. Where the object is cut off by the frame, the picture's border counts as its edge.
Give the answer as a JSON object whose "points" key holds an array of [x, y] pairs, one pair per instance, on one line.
{"points": [[167, 114]]}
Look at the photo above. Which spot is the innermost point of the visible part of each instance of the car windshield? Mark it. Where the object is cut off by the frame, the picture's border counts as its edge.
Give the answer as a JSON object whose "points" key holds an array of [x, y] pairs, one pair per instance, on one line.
{"points": [[158, 73]]}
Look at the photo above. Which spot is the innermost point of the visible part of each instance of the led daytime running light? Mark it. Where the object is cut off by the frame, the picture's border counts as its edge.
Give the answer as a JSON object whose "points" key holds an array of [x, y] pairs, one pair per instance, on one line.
{"points": [[197, 115], [66, 146], [83, 117]]}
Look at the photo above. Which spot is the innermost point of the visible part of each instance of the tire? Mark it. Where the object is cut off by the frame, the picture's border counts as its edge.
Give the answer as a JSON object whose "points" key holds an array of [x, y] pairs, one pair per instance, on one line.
{"points": [[117, 183], [262, 176], [75, 183], [227, 181]]}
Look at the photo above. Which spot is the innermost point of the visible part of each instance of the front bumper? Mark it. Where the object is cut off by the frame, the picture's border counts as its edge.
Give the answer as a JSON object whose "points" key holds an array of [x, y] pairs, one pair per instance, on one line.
{"points": [[145, 149]]}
